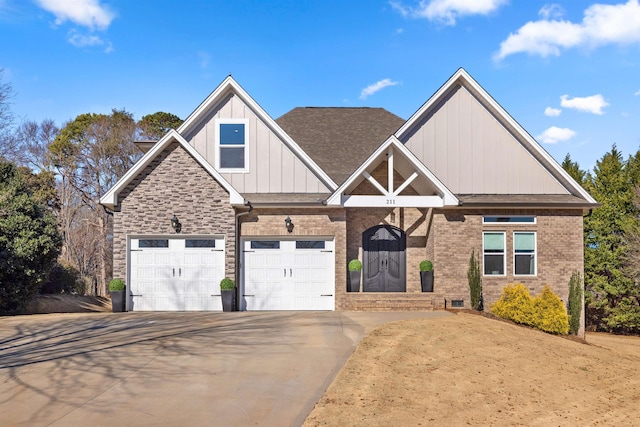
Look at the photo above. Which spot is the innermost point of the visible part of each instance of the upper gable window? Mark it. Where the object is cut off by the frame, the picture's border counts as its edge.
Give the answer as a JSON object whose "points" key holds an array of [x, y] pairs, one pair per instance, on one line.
{"points": [[232, 145]]}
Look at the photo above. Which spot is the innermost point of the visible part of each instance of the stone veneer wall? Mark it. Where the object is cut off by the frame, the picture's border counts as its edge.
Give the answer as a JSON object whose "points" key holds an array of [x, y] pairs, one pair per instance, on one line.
{"points": [[174, 183]]}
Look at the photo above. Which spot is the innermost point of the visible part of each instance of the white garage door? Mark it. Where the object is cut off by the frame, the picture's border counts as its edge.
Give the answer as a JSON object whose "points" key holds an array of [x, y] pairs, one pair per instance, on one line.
{"points": [[288, 274], [176, 274]]}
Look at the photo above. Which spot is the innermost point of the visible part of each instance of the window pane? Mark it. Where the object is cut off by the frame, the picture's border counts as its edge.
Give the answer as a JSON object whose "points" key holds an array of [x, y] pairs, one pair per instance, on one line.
{"points": [[310, 244], [494, 264], [231, 134], [524, 242], [265, 244], [153, 243], [200, 243], [493, 242], [502, 219], [525, 264], [231, 157]]}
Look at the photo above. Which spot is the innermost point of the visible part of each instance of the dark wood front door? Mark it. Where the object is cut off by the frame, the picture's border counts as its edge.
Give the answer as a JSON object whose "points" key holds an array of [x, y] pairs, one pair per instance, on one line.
{"points": [[384, 259]]}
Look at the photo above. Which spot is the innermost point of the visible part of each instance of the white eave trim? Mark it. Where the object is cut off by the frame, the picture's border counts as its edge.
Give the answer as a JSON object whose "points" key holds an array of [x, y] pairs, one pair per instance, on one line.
{"points": [[110, 199], [445, 196], [462, 77], [229, 85]]}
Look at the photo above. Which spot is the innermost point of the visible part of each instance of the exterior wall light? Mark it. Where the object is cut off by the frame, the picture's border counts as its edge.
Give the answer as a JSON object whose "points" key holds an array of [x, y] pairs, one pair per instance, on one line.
{"points": [[176, 224], [289, 224]]}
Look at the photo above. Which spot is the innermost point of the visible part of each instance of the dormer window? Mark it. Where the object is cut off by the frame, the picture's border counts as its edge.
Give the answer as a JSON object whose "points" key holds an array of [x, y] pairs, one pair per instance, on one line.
{"points": [[232, 145]]}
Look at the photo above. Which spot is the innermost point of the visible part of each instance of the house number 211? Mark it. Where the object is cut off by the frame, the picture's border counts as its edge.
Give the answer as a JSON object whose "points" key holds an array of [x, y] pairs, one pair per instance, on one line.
{"points": [[391, 201]]}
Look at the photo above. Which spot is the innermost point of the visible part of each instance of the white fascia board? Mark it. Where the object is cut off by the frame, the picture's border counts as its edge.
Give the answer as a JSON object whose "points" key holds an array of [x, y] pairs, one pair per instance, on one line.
{"points": [[110, 199], [392, 201], [229, 84], [448, 198], [461, 76]]}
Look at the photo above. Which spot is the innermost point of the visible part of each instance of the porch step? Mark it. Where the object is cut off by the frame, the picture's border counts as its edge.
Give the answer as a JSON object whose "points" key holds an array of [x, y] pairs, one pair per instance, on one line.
{"points": [[393, 302]]}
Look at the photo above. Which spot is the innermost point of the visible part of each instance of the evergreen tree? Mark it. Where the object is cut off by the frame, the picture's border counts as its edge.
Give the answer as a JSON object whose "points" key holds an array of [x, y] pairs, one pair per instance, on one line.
{"points": [[610, 293], [573, 169]]}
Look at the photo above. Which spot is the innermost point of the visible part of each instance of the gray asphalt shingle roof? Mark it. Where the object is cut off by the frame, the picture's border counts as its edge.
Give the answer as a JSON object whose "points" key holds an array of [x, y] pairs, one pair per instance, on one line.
{"points": [[339, 139]]}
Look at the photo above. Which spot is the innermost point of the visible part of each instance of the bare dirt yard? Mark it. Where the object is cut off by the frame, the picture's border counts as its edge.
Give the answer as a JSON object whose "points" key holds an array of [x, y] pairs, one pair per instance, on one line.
{"points": [[471, 370], [44, 304]]}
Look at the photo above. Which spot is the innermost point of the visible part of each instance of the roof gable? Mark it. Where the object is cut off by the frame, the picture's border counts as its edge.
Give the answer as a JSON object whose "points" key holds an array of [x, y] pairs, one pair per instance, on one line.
{"points": [[229, 92], [110, 199], [434, 192], [521, 165]]}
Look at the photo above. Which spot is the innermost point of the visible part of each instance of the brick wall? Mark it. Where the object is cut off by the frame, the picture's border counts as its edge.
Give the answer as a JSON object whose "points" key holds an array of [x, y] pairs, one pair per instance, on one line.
{"points": [[173, 184]]}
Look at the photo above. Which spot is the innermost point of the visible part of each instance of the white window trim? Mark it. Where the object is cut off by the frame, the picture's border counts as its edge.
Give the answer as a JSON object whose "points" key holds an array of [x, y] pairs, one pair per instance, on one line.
{"points": [[535, 253], [245, 122], [502, 224], [504, 254]]}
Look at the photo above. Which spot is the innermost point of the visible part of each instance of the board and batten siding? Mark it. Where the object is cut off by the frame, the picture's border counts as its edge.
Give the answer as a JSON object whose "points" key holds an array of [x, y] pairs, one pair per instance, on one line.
{"points": [[470, 151], [273, 167]]}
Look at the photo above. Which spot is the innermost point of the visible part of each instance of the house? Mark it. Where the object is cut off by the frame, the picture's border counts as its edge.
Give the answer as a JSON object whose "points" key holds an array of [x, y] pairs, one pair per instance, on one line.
{"points": [[282, 205]]}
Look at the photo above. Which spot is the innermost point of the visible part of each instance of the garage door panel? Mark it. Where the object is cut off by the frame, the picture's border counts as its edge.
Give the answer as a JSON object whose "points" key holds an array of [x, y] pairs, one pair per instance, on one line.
{"points": [[176, 278], [288, 275]]}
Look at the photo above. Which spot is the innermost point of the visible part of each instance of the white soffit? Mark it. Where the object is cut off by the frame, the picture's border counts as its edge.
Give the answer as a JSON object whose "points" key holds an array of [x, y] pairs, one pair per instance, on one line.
{"points": [[463, 78], [390, 196], [230, 85], [110, 199]]}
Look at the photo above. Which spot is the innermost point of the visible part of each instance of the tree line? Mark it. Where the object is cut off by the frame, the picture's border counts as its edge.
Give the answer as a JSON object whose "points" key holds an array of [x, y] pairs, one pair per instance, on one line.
{"points": [[54, 234]]}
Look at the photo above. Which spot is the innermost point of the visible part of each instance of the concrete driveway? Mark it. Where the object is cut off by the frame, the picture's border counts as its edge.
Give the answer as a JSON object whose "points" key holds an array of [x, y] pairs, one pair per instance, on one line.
{"points": [[182, 369]]}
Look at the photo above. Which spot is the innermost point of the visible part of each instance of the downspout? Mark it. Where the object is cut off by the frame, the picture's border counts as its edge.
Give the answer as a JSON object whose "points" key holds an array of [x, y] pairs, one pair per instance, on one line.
{"points": [[238, 248]]}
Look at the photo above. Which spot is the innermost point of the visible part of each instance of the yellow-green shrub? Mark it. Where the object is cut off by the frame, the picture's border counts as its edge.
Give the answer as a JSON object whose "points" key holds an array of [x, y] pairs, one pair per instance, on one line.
{"points": [[550, 314], [545, 312], [515, 304]]}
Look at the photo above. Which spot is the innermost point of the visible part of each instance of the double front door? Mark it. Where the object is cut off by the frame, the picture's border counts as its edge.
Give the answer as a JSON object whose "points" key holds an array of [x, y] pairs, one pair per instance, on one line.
{"points": [[384, 259]]}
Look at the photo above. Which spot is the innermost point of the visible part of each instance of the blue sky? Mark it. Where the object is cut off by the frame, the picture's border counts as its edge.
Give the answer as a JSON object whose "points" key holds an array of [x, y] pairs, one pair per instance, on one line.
{"points": [[568, 71]]}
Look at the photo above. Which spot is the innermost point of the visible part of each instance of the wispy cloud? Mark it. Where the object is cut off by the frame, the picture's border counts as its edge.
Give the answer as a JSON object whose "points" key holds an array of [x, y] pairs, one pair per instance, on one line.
{"points": [[555, 134], [552, 112], [602, 24], [86, 13], [589, 104], [205, 59], [637, 93], [371, 89], [551, 11], [447, 11], [83, 40]]}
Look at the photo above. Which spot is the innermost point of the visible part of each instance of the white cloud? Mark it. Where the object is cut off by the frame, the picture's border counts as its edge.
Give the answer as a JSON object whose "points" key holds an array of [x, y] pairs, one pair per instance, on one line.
{"points": [[87, 13], [447, 11], [205, 59], [554, 135], [552, 112], [637, 93], [551, 11], [589, 104], [83, 40], [602, 24], [371, 89]]}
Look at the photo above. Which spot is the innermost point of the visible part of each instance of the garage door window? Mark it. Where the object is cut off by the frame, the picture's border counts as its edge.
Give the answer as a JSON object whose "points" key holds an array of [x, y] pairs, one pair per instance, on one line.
{"points": [[153, 243], [265, 244], [310, 244], [200, 243]]}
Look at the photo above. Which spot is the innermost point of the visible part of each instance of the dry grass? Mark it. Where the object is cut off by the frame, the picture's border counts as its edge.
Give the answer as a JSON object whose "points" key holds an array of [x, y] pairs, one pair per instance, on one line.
{"points": [[471, 370]]}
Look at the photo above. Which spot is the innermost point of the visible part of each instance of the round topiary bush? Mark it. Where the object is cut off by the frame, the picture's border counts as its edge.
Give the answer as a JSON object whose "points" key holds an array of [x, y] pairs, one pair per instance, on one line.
{"points": [[355, 265], [426, 265], [515, 304], [116, 285], [226, 284], [550, 314]]}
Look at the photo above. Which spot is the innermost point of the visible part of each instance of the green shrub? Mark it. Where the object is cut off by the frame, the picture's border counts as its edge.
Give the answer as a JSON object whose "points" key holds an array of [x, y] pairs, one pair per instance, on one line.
{"points": [[575, 302], [355, 265], [116, 285], [426, 265], [515, 304], [475, 282], [63, 278], [549, 313], [226, 284]]}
